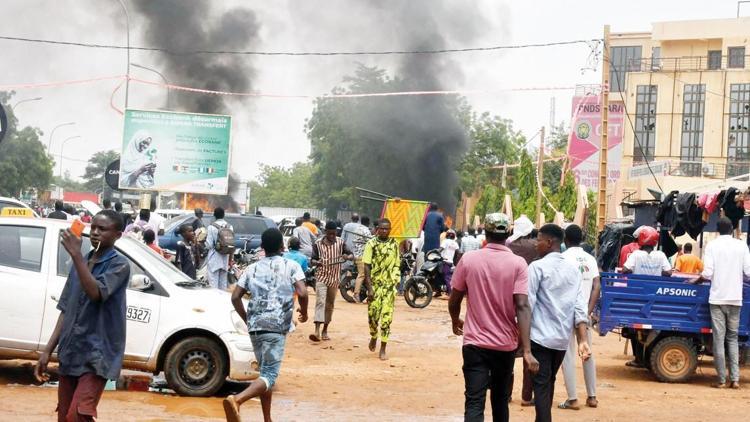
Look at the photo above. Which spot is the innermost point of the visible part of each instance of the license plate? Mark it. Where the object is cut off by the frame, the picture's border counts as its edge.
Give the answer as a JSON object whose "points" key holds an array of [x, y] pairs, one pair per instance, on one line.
{"points": [[139, 314]]}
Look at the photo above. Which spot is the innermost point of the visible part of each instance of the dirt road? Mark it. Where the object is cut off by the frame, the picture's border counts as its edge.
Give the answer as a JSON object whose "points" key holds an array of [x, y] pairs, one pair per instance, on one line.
{"points": [[341, 380]]}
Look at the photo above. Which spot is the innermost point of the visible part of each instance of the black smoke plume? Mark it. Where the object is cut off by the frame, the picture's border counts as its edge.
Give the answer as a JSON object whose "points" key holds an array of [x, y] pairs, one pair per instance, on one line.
{"points": [[189, 25]]}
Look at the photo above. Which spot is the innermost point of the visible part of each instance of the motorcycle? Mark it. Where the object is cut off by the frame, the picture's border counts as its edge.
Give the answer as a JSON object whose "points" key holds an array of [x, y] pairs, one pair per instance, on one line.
{"points": [[347, 282], [419, 288], [242, 259]]}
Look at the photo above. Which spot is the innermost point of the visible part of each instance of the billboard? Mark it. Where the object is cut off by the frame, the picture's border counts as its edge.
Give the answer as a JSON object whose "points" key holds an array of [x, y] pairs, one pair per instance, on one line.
{"points": [[407, 217], [585, 139], [178, 152]]}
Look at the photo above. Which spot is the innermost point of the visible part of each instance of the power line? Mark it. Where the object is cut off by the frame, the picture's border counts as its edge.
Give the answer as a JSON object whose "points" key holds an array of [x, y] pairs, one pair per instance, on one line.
{"points": [[298, 53]]}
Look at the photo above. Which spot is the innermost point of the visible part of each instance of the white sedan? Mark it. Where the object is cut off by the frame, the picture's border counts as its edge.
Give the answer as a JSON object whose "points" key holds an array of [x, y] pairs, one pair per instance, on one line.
{"points": [[174, 324]]}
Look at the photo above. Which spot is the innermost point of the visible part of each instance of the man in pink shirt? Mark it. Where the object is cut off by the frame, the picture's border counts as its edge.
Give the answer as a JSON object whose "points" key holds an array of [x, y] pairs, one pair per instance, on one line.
{"points": [[495, 283]]}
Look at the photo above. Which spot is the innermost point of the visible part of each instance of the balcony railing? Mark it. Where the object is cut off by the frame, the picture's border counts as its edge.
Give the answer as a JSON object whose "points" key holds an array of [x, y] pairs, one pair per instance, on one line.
{"points": [[690, 63], [708, 170]]}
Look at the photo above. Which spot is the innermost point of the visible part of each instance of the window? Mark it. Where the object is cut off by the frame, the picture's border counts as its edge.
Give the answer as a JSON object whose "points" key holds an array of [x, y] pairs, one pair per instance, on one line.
{"points": [[693, 111], [623, 60], [21, 247], [714, 60], [247, 225], [738, 155], [644, 143], [736, 57], [656, 58]]}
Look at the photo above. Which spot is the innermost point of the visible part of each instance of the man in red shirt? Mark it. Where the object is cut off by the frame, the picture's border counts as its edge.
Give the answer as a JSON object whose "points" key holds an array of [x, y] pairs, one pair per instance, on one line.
{"points": [[495, 283]]}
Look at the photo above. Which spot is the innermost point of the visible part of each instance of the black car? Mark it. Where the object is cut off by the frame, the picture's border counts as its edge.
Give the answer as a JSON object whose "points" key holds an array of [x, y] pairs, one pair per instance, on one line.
{"points": [[247, 229]]}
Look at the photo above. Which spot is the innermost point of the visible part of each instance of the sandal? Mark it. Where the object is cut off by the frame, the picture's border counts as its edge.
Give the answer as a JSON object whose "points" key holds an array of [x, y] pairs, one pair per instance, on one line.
{"points": [[314, 338], [569, 404], [592, 402], [634, 364], [719, 385], [525, 403]]}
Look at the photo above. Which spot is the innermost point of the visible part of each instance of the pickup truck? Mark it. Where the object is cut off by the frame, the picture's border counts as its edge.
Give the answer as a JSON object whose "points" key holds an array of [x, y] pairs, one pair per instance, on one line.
{"points": [[174, 324], [668, 316]]}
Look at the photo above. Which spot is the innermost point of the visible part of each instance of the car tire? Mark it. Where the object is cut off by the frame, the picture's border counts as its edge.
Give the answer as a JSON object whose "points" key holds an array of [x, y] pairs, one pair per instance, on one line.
{"points": [[674, 359], [196, 367]]}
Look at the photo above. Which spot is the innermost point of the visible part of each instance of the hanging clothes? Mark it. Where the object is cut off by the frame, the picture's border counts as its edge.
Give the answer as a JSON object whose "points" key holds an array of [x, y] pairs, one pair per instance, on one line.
{"points": [[689, 216], [666, 215], [668, 245], [732, 211]]}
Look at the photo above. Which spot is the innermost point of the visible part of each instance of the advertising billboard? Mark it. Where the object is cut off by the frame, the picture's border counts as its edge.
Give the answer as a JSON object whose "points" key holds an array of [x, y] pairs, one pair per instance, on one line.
{"points": [[178, 152], [585, 139]]}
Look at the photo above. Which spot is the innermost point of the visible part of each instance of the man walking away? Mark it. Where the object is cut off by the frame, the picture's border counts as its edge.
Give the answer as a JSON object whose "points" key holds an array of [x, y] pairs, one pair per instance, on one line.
{"points": [[495, 284], [382, 273], [434, 226], [90, 330], [347, 232], [218, 251], [58, 213], [328, 254], [687, 262], [590, 289], [106, 204], [126, 219], [557, 307], [727, 262], [361, 236], [272, 283], [198, 222], [306, 238], [307, 222], [470, 242], [449, 248]]}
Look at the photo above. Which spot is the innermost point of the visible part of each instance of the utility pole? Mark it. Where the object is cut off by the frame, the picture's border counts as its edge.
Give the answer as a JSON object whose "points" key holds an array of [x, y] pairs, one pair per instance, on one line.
{"points": [[540, 177], [601, 215]]}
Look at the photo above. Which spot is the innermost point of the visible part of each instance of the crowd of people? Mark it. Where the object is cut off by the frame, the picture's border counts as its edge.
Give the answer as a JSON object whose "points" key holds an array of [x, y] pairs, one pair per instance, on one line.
{"points": [[530, 293]]}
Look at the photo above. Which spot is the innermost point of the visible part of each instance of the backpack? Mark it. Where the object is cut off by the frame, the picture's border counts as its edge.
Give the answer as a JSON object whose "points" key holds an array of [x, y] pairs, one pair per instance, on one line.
{"points": [[225, 240]]}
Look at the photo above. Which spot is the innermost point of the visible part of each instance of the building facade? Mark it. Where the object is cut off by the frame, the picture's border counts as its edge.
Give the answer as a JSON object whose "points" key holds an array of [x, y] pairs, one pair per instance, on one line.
{"points": [[686, 90]]}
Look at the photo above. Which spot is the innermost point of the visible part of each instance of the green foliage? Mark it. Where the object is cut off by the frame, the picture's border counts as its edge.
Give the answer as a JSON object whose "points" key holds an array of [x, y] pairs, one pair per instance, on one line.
{"points": [[490, 201], [67, 183], [556, 146], [493, 143], [565, 198], [24, 163], [284, 187], [94, 175], [524, 201], [590, 229]]}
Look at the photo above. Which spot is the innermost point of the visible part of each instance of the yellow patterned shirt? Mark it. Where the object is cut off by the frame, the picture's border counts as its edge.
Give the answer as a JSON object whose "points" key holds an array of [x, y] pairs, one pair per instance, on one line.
{"points": [[384, 260]]}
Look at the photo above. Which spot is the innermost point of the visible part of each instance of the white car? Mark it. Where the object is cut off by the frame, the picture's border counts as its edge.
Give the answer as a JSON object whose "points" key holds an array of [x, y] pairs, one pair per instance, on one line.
{"points": [[14, 203], [174, 324]]}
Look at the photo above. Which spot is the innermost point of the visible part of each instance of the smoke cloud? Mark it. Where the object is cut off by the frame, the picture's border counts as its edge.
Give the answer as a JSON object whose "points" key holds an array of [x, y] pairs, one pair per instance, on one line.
{"points": [[189, 25], [417, 141]]}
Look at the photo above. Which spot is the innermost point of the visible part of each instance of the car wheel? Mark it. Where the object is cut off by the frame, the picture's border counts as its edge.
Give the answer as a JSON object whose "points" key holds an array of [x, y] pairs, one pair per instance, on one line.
{"points": [[196, 367]]}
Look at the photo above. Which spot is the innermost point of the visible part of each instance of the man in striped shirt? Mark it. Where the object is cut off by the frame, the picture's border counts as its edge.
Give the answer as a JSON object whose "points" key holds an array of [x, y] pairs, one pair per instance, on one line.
{"points": [[328, 255]]}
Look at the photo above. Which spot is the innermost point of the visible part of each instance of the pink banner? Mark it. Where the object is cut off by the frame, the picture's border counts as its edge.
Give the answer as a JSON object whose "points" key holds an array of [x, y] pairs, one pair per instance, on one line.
{"points": [[585, 139]]}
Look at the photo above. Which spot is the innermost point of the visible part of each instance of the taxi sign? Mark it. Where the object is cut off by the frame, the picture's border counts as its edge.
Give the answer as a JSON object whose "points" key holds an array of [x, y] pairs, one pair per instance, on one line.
{"points": [[16, 212]]}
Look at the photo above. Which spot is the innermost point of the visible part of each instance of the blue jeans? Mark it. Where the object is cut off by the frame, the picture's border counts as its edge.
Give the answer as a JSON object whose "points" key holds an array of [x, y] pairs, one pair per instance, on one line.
{"points": [[725, 322], [269, 350]]}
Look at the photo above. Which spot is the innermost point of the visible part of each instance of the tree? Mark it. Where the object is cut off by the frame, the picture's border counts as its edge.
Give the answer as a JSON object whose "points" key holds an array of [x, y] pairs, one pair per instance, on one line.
{"points": [[282, 187], [94, 175], [524, 201], [493, 143], [566, 197], [556, 146], [490, 201], [24, 163], [67, 183]]}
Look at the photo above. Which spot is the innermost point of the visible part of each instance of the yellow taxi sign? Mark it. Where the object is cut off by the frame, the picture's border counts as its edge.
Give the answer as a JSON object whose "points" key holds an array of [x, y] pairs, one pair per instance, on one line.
{"points": [[16, 212]]}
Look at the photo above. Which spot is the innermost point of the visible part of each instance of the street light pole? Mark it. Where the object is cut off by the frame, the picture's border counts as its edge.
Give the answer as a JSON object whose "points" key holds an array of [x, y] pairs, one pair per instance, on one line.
{"points": [[24, 101], [127, 72], [61, 151], [49, 143], [166, 82]]}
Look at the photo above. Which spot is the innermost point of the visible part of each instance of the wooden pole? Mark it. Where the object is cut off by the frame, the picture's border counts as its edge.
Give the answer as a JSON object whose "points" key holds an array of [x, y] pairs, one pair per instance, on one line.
{"points": [[540, 177], [604, 146]]}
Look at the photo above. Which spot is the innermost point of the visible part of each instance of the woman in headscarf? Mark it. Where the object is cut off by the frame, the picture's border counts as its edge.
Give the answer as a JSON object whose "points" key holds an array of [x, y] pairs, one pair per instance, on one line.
{"points": [[137, 166]]}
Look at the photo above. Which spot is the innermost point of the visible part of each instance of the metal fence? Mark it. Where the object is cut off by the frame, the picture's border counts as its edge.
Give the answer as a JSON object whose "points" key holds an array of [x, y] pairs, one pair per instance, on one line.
{"points": [[297, 212], [689, 63], [709, 170]]}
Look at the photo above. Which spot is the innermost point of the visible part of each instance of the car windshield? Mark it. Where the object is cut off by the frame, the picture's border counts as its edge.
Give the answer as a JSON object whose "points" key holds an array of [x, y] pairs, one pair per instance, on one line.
{"points": [[162, 269], [247, 225], [174, 223]]}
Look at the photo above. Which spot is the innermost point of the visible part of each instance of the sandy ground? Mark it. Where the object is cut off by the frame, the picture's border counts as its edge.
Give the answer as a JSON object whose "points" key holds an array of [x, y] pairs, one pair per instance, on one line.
{"points": [[341, 380]]}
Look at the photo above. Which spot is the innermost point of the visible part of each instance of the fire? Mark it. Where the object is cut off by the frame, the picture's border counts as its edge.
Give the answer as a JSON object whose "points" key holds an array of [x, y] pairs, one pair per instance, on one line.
{"points": [[209, 202]]}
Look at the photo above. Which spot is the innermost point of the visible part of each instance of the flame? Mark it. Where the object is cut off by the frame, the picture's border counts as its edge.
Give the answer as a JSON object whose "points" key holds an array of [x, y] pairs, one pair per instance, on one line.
{"points": [[208, 202]]}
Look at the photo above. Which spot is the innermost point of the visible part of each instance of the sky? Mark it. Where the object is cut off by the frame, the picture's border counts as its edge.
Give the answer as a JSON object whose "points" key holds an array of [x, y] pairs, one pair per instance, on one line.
{"points": [[271, 130]]}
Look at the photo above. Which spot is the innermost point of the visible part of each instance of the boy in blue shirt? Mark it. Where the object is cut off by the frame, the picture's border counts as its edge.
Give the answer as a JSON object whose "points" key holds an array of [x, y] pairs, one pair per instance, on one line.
{"points": [[295, 255], [90, 331]]}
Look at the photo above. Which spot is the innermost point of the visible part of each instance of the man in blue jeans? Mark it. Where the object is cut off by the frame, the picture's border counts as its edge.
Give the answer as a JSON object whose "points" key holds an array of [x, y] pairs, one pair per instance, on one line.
{"points": [[271, 282], [726, 260]]}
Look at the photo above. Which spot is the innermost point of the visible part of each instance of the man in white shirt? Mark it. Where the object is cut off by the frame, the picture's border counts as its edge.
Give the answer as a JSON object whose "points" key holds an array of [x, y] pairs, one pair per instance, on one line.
{"points": [[647, 261], [470, 242], [449, 248], [726, 261], [590, 295]]}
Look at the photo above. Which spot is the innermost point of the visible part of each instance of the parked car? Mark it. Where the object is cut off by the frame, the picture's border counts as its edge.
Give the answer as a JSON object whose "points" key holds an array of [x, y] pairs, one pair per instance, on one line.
{"points": [[174, 324], [247, 229], [14, 203]]}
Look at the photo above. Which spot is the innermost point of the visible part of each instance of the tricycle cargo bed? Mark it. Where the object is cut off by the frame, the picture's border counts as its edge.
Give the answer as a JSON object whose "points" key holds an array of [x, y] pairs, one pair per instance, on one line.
{"points": [[659, 303]]}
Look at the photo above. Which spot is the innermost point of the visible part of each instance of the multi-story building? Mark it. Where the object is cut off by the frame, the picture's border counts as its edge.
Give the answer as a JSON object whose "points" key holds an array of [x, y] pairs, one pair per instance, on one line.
{"points": [[686, 90]]}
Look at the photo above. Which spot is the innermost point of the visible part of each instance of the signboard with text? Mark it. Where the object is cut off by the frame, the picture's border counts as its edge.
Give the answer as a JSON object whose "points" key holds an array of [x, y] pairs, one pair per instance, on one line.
{"points": [[179, 152], [585, 140]]}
